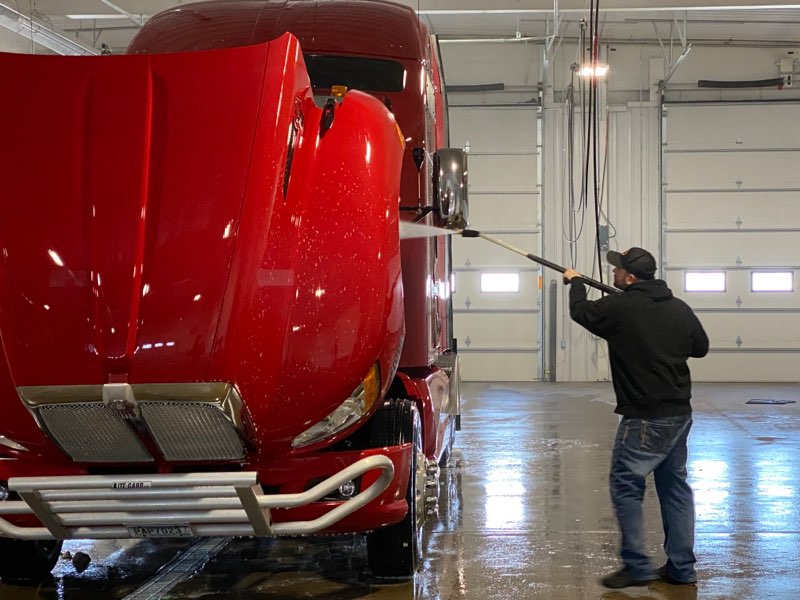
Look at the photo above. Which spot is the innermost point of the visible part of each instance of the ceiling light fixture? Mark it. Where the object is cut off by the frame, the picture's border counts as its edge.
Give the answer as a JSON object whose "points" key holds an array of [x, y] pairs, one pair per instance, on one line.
{"points": [[593, 70], [94, 17]]}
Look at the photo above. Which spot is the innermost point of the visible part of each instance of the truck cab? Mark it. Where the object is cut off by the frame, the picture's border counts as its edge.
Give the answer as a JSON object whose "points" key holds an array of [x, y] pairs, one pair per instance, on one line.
{"points": [[210, 322]]}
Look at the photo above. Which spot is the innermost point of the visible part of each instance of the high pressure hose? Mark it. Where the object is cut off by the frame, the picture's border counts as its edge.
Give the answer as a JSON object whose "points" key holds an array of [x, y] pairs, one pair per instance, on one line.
{"points": [[471, 233]]}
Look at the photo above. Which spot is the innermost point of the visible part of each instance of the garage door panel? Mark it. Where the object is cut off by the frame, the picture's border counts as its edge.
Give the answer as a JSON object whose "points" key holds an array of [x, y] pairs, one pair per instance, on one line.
{"points": [[508, 173], [477, 252], [498, 366], [732, 209], [733, 127], [504, 197], [717, 249], [468, 294], [756, 330], [497, 212], [743, 366], [737, 288], [732, 170], [494, 130], [498, 330]]}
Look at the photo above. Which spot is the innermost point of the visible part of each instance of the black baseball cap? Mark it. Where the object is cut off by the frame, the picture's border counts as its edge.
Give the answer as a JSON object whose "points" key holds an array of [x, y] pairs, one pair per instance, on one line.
{"points": [[636, 261]]}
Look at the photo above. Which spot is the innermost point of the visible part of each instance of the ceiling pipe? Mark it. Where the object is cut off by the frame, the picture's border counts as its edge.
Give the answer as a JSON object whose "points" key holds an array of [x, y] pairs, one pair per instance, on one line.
{"points": [[49, 38]]}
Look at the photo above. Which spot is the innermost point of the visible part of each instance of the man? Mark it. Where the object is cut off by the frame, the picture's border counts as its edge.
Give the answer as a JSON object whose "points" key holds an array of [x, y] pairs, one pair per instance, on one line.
{"points": [[650, 336]]}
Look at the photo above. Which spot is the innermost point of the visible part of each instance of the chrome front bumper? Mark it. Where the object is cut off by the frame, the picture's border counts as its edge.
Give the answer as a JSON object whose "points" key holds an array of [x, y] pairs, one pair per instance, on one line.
{"points": [[202, 504]]}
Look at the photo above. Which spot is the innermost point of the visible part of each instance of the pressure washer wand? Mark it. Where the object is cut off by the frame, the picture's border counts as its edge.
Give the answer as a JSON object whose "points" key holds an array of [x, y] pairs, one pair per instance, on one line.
{"points": [[471, 233]]}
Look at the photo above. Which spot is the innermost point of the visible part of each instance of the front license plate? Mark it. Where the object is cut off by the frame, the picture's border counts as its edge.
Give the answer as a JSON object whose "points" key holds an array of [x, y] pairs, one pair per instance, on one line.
{"points": [[160, 531]]}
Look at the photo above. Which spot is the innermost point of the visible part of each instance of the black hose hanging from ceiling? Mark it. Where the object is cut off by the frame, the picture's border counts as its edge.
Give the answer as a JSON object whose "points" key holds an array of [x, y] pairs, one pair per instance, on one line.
{"points": [[479, 87], [596, 135], [587, 117], [710, 83]]}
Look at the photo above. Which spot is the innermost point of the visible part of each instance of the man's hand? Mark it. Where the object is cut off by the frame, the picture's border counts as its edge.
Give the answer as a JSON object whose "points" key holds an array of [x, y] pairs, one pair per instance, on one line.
{"points": [[570, 274]]}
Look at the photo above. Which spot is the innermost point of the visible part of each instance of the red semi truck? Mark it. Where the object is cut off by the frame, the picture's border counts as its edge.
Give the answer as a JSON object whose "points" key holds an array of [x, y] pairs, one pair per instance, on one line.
{"points": [[210, 324]]}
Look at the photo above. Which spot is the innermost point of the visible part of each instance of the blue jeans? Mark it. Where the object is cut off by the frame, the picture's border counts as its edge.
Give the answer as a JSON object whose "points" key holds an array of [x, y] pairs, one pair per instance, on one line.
{"points": [[658, 446]]}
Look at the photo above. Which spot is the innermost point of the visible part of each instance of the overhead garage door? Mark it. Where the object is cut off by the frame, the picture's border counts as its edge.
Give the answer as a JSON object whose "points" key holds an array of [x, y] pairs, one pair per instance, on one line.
{"points": [[732, 233], [498, 331]]}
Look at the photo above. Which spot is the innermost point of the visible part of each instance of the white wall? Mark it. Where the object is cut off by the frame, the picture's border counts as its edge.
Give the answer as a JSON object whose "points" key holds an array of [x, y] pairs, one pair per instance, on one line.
{"points": [[632, 110], [477, 63]]}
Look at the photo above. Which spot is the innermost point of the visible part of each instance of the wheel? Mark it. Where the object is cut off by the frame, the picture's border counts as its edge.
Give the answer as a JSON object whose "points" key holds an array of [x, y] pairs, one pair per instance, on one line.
{"points": [[396, 551], [22, 560]]}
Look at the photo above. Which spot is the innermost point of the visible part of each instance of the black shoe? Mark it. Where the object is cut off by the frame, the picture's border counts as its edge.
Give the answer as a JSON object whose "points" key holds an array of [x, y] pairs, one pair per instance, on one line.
{"points": [[622, 579], [664, 575]]}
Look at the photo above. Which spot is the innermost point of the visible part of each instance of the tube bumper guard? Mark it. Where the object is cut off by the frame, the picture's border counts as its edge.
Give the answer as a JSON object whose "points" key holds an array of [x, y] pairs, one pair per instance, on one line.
{"points": [[174, 505]]}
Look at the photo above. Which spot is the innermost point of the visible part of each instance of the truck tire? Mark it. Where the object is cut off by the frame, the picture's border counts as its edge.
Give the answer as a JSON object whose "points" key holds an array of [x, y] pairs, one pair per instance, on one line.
{"points": [[396, 551], [23, 560]]}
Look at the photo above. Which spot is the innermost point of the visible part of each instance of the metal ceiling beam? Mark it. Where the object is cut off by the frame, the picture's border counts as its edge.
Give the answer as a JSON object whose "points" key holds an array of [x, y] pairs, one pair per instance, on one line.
{"points": [[50, 38], [643, 41], [463, 7], [662, 85], [672, 66]]}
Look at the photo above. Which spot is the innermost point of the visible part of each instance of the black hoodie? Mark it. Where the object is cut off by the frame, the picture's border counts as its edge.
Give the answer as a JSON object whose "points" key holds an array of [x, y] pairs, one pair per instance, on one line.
{"points": [[651, 334]]}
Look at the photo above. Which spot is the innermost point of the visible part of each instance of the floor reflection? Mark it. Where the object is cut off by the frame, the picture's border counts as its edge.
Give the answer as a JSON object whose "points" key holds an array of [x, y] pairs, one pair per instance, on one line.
{"points": [[655, 591], [524, 512]]}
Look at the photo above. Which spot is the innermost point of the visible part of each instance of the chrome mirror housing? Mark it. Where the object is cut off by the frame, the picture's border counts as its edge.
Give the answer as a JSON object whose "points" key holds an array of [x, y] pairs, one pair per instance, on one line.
{"points": [[450, 183]]}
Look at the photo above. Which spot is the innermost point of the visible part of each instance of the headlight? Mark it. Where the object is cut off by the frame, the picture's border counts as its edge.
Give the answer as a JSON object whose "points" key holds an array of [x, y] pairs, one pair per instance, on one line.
{"points": [[347, 413]]}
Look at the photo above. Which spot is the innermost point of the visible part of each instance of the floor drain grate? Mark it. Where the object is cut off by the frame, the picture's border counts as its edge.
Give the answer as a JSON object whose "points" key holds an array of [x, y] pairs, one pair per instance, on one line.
{"points": [[180, 568]]}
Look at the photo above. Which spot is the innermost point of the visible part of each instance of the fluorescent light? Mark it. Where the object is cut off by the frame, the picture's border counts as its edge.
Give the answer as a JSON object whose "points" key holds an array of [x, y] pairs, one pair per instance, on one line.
{"points": [[97, 16], [594, 71]]}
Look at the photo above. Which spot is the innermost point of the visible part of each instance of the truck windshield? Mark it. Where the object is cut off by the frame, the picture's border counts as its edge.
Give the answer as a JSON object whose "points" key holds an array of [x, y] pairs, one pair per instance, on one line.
{"points": [[358, 73]]}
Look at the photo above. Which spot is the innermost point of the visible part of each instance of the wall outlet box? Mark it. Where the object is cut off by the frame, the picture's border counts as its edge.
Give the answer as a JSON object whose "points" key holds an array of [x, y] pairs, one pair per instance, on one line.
{"points": [[604, 238], [786, 66]]}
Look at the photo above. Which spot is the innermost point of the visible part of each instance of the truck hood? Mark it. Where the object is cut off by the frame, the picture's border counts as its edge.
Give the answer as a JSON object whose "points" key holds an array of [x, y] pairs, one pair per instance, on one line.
{"points": [[123, 193], [188, 218]]}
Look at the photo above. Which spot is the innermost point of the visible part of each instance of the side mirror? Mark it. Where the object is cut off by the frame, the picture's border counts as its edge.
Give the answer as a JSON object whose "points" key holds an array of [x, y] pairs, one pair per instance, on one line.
{"points": [[450, 187]]}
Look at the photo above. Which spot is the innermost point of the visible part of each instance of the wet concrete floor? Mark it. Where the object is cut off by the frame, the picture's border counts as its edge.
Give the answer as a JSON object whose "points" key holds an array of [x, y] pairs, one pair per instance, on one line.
{"points": [[524, 513]]}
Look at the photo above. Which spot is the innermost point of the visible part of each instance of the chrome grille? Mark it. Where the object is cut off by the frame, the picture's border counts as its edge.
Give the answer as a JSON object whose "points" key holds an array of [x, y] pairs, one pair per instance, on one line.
{"points": [[198, 421], [192, 431], [91, 432]]}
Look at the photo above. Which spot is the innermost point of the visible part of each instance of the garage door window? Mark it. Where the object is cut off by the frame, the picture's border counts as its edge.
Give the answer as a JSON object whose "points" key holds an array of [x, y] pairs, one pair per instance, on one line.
{"points": [[704, 281], [772, 281], [499, 282]]}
